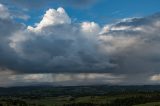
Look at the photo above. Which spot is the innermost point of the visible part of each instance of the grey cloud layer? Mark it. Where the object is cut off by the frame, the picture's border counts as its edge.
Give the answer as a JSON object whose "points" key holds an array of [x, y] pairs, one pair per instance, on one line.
{"points": [[54, 45], [60, 79], [138, 41]]}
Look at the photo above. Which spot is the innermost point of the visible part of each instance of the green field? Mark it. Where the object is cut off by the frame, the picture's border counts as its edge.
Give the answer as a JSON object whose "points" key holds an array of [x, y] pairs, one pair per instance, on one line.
{"points": [[81, 96], [149, 104], [116, 100], [60, 101]]}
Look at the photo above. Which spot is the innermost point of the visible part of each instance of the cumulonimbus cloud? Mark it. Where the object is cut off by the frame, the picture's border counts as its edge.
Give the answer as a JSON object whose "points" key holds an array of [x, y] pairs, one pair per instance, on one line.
{"points": [[56, 44]]}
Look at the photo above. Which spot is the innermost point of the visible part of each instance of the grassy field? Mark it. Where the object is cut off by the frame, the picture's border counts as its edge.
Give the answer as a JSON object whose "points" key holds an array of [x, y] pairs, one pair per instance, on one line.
{"points": [[81, 96], [69, 100], [149, 104], [60, 101]]}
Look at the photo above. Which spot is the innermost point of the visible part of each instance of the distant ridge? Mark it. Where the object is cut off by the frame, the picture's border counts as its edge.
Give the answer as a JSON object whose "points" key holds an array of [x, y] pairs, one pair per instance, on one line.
{"points": [[43, 90]]}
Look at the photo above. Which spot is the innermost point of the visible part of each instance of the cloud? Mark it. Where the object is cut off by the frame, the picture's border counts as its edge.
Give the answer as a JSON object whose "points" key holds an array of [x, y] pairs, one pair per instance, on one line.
{"points": [[129, 47], [55, 45], [64, 79], [155, 77], [4, 12], [52, 17], [20, 15], [90, 28], [7, 14], [135, 42]]}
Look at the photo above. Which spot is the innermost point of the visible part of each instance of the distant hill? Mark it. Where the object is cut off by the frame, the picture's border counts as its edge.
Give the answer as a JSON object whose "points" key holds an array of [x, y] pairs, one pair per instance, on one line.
{"points": [[75, 90]]}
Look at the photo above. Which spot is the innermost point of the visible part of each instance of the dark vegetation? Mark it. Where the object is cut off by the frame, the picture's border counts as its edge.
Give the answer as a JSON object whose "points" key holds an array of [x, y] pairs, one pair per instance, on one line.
{"points": [[80, 96]]}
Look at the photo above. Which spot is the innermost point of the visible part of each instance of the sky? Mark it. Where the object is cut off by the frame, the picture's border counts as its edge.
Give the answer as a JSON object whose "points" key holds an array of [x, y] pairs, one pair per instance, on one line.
{"points": [[79, 42]]}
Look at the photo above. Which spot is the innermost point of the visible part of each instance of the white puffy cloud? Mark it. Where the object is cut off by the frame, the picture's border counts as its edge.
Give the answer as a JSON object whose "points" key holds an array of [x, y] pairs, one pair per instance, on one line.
{"points": [[90, 28], [52, 17]]}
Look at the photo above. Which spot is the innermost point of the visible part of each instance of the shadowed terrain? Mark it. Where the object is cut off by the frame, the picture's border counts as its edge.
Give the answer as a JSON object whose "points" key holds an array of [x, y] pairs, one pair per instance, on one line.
{"points": [[81, 96]]}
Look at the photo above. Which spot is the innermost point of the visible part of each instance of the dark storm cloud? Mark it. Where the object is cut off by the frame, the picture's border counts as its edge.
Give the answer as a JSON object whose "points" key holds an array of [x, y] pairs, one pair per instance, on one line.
{"points": [[7, 55], [55, 44], [58, 48], [59, 52]]}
